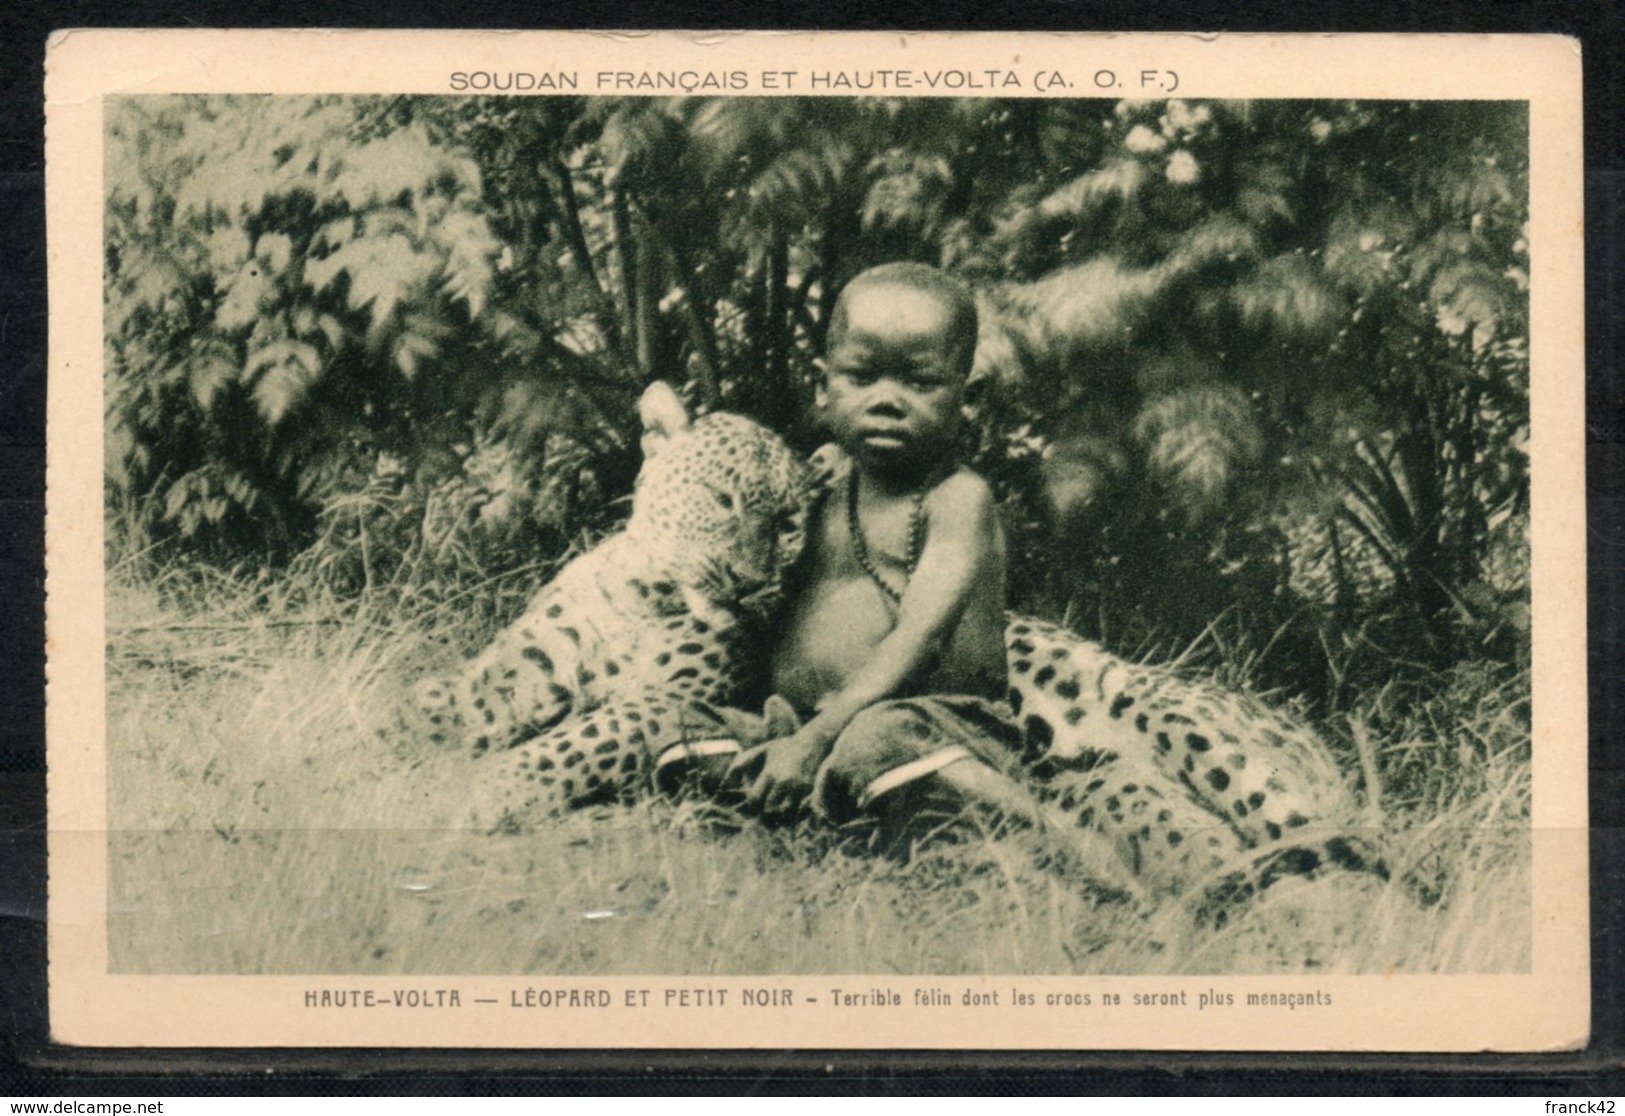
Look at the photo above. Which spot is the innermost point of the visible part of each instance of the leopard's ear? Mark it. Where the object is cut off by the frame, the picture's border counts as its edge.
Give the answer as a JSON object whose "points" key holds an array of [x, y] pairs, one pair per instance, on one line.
{"points": [[663, 416], [827, 465]]}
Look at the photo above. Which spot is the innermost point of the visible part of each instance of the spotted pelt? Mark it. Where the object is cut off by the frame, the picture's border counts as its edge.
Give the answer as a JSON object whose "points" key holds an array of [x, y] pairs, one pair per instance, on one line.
{"points": [[617, 656], [1203, 791], [637, 647]]}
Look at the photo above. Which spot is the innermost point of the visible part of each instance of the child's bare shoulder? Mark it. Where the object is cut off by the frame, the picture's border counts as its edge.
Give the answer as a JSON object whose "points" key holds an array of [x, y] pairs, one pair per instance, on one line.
{"points": [[962, 504], [963, 491]]}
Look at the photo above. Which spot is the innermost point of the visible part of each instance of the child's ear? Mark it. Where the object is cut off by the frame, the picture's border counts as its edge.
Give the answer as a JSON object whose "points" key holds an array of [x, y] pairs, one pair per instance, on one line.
{"points": [[663, 416]]}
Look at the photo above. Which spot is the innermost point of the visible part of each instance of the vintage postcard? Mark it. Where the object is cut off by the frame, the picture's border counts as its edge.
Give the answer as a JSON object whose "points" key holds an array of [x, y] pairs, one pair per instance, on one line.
{"points": [[1012, 541]]}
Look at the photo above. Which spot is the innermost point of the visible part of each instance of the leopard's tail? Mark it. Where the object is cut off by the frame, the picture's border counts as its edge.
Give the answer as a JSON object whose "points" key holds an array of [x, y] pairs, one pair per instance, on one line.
{"points": [[1356, 858]]}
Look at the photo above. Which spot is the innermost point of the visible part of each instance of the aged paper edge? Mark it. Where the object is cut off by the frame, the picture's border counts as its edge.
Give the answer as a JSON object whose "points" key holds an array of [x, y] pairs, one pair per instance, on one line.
{"points": [[1547, 1009]]}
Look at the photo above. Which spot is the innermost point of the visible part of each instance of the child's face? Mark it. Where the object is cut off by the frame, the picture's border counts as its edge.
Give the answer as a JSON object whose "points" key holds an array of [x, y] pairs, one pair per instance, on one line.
{"points": [[893, 380]]}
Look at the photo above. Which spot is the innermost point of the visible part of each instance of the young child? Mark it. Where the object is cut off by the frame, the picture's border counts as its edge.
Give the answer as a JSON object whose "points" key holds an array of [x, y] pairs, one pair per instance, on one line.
{"points": [[893, 651]]}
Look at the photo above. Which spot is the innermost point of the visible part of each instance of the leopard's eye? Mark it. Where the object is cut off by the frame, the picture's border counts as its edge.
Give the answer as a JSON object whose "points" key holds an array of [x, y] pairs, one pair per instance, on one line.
{"points": [[724, 498]]}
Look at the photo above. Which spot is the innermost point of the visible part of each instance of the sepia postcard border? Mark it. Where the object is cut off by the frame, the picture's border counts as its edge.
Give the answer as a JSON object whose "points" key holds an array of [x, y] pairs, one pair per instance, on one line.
{"points": [[1547, 1009]]}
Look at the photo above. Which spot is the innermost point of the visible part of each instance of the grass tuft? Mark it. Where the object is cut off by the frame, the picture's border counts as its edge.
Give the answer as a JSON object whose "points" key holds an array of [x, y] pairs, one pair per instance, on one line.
{"points": [[266, 818]]}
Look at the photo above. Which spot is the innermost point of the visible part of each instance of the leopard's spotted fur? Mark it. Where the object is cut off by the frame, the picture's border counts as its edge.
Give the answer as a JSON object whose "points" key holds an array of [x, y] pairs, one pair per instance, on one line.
{"points": [[611, 660], [1202, 791]]}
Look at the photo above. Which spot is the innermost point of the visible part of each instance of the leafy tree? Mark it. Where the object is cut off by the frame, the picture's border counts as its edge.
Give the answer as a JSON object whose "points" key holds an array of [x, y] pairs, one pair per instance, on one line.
{"points": [[307, 296], [1249, 323], [1265, 359]]}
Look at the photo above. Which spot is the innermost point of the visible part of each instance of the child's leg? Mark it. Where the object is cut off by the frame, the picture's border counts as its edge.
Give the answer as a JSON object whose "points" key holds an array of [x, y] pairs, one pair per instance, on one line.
{"points": [[957, 744], [978, 784]]}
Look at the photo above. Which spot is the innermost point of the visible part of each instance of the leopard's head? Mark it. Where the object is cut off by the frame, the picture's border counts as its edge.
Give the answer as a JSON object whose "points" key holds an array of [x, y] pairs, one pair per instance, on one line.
{"points": [[722, 501]]}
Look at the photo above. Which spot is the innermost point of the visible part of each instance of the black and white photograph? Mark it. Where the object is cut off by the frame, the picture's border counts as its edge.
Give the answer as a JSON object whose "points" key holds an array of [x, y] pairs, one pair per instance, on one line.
{"points": [[984, 528]]}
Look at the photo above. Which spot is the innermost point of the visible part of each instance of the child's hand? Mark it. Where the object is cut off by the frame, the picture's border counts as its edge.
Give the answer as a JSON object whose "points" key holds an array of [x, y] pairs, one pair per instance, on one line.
{"points": [[780, 773]]}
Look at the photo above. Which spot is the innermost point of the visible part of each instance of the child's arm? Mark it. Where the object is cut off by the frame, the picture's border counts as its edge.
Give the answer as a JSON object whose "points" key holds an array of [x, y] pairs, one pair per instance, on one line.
{"points": [[961, 549]]}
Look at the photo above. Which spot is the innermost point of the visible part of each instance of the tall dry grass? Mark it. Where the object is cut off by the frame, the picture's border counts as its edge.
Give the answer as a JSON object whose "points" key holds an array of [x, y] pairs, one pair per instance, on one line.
{"points": [[261, 824]]}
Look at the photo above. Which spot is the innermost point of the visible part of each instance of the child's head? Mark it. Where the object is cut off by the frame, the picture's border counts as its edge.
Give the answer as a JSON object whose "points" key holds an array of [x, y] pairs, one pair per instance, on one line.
{"points": [[901, 341]]}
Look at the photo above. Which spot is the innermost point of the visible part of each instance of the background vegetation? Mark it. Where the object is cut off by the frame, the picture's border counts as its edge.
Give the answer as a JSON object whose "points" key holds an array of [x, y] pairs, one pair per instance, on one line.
{"points": [[1252, 383]]}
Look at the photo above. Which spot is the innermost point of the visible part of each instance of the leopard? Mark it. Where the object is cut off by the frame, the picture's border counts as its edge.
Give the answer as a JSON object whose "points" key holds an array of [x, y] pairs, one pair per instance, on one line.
{"points": [[633, 662], [618, 664], [1205, 792]]}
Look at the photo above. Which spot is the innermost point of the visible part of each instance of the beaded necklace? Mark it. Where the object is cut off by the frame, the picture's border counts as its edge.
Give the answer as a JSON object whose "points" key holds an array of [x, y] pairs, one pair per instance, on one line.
{"points": [[860, 545]]}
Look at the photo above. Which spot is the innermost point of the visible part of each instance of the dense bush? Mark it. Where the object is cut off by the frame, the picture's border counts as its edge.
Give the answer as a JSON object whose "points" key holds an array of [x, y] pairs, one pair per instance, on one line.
{"points": [[1257, 369]]}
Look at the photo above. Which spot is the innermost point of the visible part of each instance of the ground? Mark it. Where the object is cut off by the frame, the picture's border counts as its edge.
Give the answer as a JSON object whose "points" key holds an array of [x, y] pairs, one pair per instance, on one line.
{"points": [[260, 826]]}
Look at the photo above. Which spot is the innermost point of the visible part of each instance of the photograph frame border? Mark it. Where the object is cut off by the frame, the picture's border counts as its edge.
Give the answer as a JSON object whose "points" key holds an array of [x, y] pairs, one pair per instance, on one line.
{"points": [[909, 1063]]}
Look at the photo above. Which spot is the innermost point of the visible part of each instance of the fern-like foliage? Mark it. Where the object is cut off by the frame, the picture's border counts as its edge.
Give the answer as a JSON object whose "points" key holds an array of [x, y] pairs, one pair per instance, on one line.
{"points": [[1262, 356]]}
